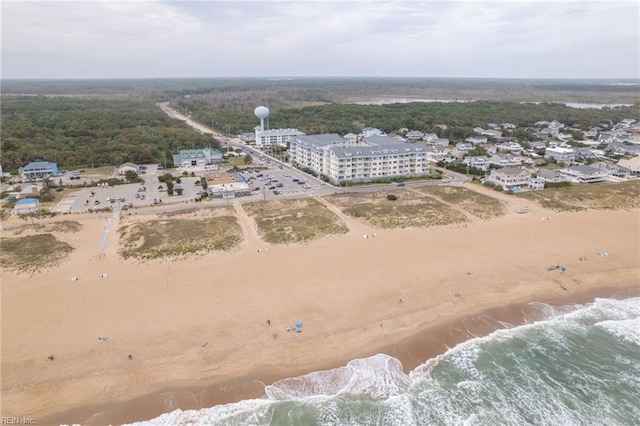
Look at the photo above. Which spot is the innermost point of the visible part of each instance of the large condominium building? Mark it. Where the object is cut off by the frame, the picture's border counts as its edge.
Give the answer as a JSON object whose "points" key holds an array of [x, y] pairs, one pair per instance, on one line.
{"points": [[268, 138], [374, 157]]}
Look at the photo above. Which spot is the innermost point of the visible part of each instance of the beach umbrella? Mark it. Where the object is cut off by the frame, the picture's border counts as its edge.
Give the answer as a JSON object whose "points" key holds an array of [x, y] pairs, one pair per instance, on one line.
{"points": [[299, 324]]}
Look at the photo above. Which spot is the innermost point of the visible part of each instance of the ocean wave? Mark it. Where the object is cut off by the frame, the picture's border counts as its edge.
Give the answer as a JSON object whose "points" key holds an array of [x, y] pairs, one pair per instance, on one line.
{"points": [[579, 366]]}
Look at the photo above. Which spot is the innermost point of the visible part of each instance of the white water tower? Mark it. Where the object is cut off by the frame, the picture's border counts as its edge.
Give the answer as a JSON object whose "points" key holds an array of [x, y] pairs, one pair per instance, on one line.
{"points": [[262, 112]]}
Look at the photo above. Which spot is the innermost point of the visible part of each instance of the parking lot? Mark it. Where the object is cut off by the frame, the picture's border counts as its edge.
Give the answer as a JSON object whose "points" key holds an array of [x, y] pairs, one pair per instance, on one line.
{"points": [[277, 183]]}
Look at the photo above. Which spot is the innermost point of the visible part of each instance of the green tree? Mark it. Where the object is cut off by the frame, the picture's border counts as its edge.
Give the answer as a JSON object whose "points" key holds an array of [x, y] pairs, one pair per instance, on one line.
{"points": [[170, 186], [204, 183], [131, 175]]}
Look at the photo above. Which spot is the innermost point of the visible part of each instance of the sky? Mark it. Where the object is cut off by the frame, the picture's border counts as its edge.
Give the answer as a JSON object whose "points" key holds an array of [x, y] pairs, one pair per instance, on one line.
{"points": [[273, 38]]}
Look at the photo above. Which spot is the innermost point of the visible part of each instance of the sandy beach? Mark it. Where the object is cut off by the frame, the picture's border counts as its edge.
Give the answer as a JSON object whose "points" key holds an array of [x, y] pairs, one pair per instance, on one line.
{"points": [[199, 326]]}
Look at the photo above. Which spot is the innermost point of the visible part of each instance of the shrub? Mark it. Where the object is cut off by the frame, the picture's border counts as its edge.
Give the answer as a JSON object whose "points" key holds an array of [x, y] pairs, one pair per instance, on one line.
{"points": [[392, 197]]}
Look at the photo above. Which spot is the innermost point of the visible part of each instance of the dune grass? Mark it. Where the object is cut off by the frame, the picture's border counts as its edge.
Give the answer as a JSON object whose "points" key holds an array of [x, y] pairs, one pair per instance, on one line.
{"points": [[612, 196], [179, 237], [33, 253], [409, 210], [294, 221]]}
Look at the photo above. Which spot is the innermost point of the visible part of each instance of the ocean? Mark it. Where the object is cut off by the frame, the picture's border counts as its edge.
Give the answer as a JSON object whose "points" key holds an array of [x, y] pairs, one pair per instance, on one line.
{"points": [[571, 365]]}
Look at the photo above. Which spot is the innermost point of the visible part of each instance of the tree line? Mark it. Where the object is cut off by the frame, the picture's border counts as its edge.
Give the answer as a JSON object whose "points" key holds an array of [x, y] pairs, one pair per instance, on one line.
{"points": [[85, 132]]}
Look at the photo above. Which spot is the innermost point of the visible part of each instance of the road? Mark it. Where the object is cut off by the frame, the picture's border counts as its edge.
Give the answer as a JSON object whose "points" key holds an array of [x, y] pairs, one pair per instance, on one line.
{"points": [[323, 188]]}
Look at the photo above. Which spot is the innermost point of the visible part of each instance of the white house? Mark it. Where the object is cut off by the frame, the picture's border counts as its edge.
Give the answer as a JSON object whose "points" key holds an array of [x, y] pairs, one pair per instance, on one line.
{"points": [[26, 206], [505, 160], [476, 139], [510, 178], [478, 161], [536, 184], [561, 155]]}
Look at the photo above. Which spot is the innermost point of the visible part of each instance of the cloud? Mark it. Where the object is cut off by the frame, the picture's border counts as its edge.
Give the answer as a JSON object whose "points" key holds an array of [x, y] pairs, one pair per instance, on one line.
{"points": [[161, 38]]}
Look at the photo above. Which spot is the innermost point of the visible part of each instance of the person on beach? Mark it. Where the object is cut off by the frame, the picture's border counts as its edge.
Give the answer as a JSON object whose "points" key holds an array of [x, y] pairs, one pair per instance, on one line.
{"points": [[268, 323], [130, 357], [51, 357]]}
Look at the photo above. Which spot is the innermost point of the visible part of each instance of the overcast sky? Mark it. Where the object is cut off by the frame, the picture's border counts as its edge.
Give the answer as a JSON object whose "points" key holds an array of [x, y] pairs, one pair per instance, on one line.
{"points": [[267, 38]]}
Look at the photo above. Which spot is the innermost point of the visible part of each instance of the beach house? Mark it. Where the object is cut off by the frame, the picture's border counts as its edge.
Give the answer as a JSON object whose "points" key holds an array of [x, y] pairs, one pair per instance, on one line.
{"points": [[26, 206], [584, 174], [510, 178]]}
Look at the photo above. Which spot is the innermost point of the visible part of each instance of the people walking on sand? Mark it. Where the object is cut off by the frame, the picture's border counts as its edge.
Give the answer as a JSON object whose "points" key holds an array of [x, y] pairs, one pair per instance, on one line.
{"points": [[268, 323], [130, 357], [51, 357]]}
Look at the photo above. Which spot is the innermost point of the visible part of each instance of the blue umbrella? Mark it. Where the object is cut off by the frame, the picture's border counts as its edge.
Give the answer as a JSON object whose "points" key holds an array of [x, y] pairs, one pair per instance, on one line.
{"points": [[299, 324]]}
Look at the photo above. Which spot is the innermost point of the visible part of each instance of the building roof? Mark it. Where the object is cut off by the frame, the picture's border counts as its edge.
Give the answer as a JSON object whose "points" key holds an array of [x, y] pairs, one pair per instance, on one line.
{"points": [[361, 151], [380, 140], [276, 132], [548, 174], [135, 166], [318, 141], [510, 170], [38, 165], [584, 169]]}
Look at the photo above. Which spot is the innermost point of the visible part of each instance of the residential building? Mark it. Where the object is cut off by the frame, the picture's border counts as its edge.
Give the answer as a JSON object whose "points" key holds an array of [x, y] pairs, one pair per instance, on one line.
{"points": [[440, 143], [509, 146], [30, 191], [584, 174], [280, 137], [434, 155], [613, 171], [38, 170], [536, 184], [375, 157], [371, 131], [476, 139], [478, 161], [462, 148], [551, 176], [505, 160], [26, 206], [197, 157], [414, 135], [510, 178], [561, 155], [633, 164]]}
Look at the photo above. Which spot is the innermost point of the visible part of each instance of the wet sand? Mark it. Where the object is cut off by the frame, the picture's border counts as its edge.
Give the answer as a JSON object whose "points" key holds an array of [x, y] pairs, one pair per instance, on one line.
{"points": [[452, 281], [412, 352]]}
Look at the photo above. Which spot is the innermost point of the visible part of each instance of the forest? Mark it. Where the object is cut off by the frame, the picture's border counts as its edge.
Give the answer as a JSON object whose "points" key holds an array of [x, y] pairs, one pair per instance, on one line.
{"points": [[84, 123], [85, 132]]}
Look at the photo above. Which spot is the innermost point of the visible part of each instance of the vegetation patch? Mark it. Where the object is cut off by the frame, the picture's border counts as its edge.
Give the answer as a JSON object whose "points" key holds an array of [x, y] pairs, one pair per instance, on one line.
{"points": [[63, 226], [33, 252], [613, 196], [474, 203], [294, 221], [409, 210], [179, 237]]}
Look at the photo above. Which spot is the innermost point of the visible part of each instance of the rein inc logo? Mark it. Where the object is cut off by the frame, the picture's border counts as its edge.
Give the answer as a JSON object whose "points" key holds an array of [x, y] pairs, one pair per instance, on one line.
{"points": [[17, 421]]}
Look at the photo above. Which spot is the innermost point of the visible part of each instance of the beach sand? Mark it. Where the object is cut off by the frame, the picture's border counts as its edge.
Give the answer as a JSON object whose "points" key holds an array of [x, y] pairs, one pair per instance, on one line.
{"points": [[196, 328]]}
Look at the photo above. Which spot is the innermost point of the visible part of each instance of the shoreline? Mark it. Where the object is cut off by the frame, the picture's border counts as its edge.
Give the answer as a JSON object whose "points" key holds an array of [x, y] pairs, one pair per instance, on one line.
{"points": [[343, 287], [412, 351]]}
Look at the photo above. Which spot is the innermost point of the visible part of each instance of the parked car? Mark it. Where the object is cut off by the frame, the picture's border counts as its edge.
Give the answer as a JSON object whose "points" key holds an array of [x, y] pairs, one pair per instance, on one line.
{"points": [[279, 185]]}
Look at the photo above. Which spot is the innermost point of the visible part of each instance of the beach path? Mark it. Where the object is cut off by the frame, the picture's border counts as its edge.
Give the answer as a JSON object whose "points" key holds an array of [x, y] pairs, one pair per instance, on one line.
{"points": [[353, 225], [251, 237]]}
